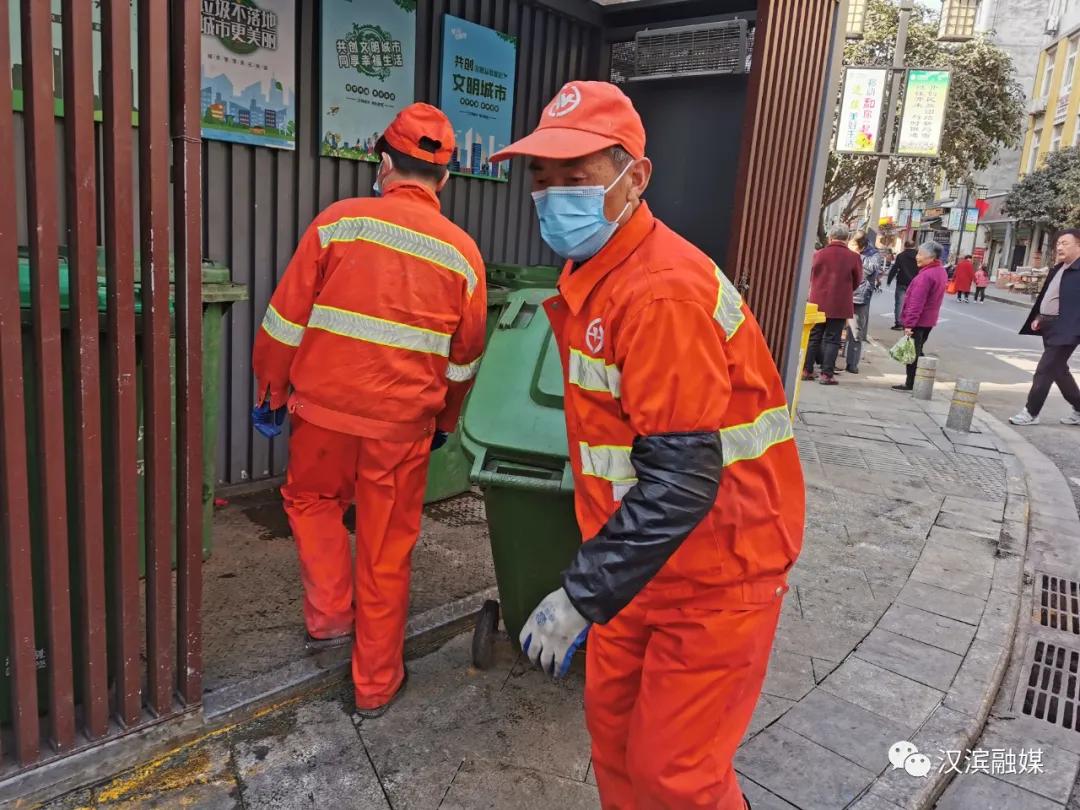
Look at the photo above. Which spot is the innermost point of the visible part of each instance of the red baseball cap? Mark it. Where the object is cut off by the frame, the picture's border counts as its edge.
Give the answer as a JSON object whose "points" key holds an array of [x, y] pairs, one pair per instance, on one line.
{"points": [[584, 117], [419, 121]]}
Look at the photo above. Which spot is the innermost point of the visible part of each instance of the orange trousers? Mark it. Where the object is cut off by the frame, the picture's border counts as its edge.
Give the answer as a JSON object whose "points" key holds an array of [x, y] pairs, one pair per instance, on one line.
{"points": [[668, 696], [327, 471]]}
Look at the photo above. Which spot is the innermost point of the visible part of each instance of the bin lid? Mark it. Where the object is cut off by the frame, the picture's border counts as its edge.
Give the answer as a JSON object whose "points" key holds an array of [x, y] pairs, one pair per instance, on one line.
{"points": [[515, 409], [521, 277]]}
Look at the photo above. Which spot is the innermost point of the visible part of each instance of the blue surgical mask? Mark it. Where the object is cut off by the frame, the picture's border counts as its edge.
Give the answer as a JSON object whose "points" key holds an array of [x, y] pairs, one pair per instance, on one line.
{"points": [[377, 186], [572, 219]]}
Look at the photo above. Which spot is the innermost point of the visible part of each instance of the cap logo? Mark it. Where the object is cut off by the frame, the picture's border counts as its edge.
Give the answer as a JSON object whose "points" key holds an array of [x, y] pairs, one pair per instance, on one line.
{"points": [[566, 102]]}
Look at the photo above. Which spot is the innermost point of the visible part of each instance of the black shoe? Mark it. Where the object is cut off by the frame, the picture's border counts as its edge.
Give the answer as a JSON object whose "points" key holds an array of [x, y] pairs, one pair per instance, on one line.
{"points": [[897, 328], [902, 388], [312, 644], [379, 711], [851, 370]]}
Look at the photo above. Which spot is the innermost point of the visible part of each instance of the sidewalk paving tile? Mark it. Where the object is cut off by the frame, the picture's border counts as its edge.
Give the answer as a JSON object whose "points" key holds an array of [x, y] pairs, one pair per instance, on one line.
{"points": [[845, 729], [800, 771], [951, 579], [790, 675], [833, 641], [482, 785], [978, 560], [968, 692], [317, 754], [929, 628], [983, 525], [988, 793], [1059, 766], [822, 668], [759, 797], [883, 692], [850, 583], [942, 601], [913, 659], [768, 709], [998, 617]]}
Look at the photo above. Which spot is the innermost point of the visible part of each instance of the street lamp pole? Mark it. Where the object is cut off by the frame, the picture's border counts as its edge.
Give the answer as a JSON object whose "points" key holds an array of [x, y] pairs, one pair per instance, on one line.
{"points": [[898, 69]]}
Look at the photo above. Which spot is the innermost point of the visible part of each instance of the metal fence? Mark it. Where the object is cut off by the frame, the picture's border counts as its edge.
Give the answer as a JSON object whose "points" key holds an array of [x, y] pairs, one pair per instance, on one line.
{"points": [[108, 654]]}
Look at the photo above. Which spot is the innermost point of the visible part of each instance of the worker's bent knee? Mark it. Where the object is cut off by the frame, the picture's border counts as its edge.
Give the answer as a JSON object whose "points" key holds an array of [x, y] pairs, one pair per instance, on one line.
{"points": [[667, 778]]}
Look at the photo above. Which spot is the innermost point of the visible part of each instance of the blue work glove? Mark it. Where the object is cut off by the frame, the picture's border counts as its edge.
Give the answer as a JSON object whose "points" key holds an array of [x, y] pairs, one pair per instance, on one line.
{"points": [[267, 422], [439, 439], [553, 633]]}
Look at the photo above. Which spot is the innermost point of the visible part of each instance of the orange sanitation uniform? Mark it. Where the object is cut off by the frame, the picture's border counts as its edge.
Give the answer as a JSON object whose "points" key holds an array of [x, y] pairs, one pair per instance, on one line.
{"points": [[656, 340], [378, 327]]}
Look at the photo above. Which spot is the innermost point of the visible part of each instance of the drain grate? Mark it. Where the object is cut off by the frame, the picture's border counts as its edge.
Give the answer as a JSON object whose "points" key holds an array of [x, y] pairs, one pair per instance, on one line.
{"points": [[1050, 691], [840, 455], [464, 510], [1058, 603]]}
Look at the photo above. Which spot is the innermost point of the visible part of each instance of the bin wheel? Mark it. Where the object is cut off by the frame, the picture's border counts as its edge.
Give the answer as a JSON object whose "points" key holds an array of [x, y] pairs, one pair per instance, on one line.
{"points": [[483, 640]]}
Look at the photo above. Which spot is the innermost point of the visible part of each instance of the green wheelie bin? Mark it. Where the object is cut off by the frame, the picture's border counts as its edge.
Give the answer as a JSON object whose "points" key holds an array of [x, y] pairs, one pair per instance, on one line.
{"points": [[448, 470], [218, 294], [515, 433]]}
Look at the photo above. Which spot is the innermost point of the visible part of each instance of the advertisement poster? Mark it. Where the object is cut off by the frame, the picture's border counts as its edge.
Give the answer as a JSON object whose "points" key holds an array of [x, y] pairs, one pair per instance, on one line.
{"points": [[924, 113], [955, 215], [971, 223], [15, 43], [368, 53], [916, 217], [248, 80], [860, 110], [479, 66]]}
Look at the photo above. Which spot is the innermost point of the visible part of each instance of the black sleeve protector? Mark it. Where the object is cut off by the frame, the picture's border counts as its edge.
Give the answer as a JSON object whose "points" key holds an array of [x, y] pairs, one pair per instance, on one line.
{"points": [[678, 476]]}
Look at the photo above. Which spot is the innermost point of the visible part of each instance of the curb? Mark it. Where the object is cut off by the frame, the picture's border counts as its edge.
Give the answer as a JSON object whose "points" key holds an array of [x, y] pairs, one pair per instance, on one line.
{"points": [[223, 711], [1009, 299]]}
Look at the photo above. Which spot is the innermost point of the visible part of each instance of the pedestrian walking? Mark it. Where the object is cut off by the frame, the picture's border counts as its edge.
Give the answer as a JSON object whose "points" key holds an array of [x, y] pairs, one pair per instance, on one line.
{"points": [[859, 323], [982, 281], [922, 305], [377, 327], [686, 478], [1056, 317], [903, 272], [963, 277], [835, 274]]}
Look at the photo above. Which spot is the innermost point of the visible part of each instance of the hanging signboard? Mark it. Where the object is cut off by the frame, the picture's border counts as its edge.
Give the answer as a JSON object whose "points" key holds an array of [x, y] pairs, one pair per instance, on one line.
{"points": [[368, 54], [248, 80], [15, 43], [859, 127], [955, 218], [916, 217], [971, 223], [923, 119], [479, 67]]}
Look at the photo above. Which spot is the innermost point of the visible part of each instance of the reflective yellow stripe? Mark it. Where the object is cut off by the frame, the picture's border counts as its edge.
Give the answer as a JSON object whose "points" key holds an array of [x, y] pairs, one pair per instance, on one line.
{"points": [[753, 439], [593, 374], [608, 462], [281, 329], [728, 311], [376, 330], [456, 373], [402, 240]]}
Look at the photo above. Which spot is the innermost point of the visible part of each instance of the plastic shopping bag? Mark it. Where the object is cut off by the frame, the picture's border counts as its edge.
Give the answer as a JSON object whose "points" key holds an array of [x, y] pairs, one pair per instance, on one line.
{"points": [[904, 351]]}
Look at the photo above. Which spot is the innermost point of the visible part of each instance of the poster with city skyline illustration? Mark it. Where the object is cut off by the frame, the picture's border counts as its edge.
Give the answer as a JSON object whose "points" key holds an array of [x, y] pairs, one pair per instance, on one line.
{"points": [[479, 67], [56, 12], [368, 75], [248, 81]]}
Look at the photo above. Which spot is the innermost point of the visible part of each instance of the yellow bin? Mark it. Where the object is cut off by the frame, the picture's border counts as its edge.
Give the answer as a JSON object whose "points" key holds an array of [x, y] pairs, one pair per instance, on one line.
{"points": [[813, 316]]}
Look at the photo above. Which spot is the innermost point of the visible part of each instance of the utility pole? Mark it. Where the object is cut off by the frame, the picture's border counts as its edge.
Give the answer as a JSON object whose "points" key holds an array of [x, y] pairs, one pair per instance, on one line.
{"points": [[898, 69]]}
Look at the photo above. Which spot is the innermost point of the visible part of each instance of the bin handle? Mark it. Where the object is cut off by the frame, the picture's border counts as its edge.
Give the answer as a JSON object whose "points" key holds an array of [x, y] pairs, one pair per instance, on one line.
{"points": [[560, 482]]}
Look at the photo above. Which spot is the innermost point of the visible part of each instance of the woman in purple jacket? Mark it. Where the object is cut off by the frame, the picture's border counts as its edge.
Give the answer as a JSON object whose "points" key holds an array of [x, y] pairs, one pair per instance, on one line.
{"points": [[922, 304]]}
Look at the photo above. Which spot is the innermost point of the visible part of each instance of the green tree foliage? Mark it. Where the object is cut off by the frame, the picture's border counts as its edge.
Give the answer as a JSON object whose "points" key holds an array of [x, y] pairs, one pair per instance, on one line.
{"points": [[985, 109], [1049, 196]]}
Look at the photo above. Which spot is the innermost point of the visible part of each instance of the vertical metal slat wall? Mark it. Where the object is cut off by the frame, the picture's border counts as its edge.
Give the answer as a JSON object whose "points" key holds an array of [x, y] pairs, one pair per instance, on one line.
{"points": [[258, 201]]}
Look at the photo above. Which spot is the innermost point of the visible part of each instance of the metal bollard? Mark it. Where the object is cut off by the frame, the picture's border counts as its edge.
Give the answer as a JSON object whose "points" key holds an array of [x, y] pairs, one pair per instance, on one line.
{"points": [[925, 374], [962, 408]]}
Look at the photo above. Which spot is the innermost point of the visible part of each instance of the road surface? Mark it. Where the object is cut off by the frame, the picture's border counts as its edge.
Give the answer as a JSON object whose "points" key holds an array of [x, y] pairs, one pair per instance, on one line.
{"points": [[980, 341]]}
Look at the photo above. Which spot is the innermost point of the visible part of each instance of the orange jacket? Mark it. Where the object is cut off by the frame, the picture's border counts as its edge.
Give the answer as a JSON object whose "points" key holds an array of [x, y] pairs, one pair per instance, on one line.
{"points": [[655, 340], [378, 322]]}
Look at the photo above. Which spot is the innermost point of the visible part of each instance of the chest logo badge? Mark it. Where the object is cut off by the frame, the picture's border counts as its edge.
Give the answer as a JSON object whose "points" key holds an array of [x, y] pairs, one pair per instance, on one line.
{"points": [[594, 336]]}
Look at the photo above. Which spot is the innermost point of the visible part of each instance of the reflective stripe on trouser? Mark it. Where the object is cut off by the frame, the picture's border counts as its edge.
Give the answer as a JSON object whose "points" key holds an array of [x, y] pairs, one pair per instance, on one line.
{"points": [[669, 694], [399, 239], [370, 329], [281, 329], [327, 470], [738, 443]]}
